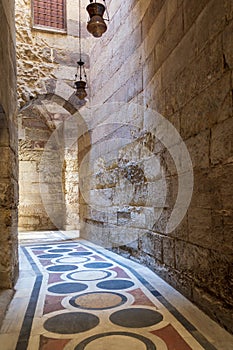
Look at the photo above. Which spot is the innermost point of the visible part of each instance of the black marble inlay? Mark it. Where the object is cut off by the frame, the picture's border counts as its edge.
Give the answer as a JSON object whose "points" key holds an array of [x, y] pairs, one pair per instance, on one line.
{"points": [[80, 253], [71, 322], [49, 256], [148, 343], [115, 284], [61, 268], [59, 250], [98, 265], [136, 318], [41, 247], [66, 288], [71, 245]]}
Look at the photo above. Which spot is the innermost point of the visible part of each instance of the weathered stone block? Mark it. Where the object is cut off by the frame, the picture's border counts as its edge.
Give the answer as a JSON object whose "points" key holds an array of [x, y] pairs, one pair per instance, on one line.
{"points": [[180, 57], [169, 252], [154, 33], [151, 243], [199, 149], [148, 19], [210, 304], [192, 9], [4, 133], [222, 230], [228, 46], [181, 232], [221, 142], [170, 38], [193, 261], [213, 105], [37, 134], [200, 226], [206, 192], [223, 176]]}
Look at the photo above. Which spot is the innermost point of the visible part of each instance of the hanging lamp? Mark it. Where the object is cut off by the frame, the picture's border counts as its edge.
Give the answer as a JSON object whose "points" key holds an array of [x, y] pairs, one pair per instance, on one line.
{"points": [[80, 84], [96, 25]]}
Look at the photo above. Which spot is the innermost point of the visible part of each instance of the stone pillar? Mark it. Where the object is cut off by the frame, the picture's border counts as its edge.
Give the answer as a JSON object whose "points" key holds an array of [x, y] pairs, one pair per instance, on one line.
{"points": [[8, 148]]}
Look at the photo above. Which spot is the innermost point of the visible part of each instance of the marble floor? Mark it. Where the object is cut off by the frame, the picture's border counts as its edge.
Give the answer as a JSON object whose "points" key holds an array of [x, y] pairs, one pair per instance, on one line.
{"points": [[74, 295]]}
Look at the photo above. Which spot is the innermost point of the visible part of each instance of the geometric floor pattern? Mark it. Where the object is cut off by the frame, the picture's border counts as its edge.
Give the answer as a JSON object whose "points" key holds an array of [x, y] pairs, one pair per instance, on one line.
{"points": [[83, 298]]}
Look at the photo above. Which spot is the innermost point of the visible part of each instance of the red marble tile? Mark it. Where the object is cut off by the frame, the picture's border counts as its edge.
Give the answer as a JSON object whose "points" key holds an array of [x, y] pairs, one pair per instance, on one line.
{"points": [[54, 277], [172, 338], [38, 252], [45, 262], [140, 298], [97, 258], [53, 303], [52, 344], [120, 273], [80, 249]]}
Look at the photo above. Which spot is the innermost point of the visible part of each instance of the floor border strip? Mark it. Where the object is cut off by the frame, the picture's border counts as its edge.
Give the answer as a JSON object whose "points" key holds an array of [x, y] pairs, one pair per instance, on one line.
{"points": [[26, 327]]}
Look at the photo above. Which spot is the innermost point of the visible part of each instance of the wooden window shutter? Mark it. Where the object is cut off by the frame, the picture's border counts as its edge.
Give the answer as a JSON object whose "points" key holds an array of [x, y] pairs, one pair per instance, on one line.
{"points": [[49, 13]]}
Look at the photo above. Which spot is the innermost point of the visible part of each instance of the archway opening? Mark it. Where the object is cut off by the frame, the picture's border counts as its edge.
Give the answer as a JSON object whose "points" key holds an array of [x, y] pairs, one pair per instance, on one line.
{"points": [[48, 165]]}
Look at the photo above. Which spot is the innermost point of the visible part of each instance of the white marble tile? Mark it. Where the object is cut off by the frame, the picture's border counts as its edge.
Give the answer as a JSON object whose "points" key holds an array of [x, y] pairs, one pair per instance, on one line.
{"points": [[8, 341], [34, 342], [14, 317]]}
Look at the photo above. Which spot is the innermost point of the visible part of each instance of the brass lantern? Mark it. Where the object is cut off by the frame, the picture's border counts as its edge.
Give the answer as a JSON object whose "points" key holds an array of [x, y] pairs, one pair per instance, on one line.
{"points": [[80, 85], [96, 25]]}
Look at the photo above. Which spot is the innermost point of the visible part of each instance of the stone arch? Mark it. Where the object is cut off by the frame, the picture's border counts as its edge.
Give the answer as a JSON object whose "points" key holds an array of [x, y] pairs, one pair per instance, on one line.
{"points": [[61, 93], [64, 213]]}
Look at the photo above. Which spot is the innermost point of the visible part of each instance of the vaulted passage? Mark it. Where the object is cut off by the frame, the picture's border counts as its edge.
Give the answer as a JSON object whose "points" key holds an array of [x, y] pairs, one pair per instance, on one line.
{"points": [[139, 162], [48, 170]]}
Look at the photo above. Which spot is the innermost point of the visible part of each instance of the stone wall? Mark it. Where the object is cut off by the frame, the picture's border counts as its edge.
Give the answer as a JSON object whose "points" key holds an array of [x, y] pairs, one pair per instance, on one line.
{"points": [[174, 58], [72, 188], [45, 57], [8, 148]]}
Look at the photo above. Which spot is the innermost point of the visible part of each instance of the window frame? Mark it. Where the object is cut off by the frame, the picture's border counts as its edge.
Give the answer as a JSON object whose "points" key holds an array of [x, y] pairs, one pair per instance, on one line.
{"points": [[49, 29]]}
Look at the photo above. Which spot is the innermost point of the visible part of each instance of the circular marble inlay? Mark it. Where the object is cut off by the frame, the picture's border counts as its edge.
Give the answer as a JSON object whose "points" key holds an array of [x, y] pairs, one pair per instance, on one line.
{"points": [[115, 284], [73, 259], [98, 300], [90, 275], [116, 341], [61, 268], [49, 256], [80, 253], [59, 250], [98, 265], [41, 248], [66, 288], [136, 318], [72, 322], [71, 245]]}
